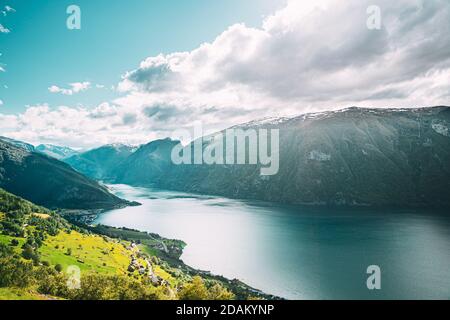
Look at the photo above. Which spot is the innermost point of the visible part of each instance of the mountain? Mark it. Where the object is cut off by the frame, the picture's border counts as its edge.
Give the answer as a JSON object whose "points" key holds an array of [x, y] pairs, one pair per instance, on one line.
{"points": [[56, 152], [147, 164], [20, 144], [351, 157], [100, 163], [49, 182]]}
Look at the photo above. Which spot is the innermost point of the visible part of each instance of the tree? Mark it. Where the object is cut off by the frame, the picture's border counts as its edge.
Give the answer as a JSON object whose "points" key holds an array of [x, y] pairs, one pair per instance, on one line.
{"points": [[14, 242], [15, 273], [217, 292], [196, 290], [29, 253], [59, 267]]}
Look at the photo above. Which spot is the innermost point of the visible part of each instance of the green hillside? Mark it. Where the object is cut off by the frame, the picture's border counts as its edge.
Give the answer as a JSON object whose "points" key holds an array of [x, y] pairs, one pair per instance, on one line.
{"points": [[49, 182], [41, 254]]}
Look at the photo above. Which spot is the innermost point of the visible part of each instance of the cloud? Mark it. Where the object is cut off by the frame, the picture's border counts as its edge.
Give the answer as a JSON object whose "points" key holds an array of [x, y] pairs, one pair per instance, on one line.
{"points": [[82, 127], [308, 56], [2, 69], [4, 29], [9, 9], [75, 87], [1, 102]]}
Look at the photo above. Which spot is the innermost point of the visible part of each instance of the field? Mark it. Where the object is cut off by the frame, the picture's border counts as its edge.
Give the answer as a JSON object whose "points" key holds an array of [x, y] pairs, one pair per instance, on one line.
{"points": [[88, 252]]}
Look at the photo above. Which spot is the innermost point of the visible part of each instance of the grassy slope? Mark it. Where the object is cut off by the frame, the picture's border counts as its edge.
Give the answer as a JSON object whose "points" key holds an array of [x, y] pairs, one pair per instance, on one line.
{"points": [[104, 251], [89, 253], [19, 294], [7, 240]]}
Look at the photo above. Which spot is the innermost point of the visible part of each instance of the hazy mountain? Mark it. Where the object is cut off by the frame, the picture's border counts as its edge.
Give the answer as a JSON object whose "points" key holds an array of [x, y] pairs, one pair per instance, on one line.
{"points": [[147, 164], [377, 157], [100, 163], [20, 144], [56, 152], [49, 182]]}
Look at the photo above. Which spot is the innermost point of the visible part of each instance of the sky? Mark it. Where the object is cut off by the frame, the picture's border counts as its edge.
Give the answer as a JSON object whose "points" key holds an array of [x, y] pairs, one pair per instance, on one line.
{"points": [[139, 70]]}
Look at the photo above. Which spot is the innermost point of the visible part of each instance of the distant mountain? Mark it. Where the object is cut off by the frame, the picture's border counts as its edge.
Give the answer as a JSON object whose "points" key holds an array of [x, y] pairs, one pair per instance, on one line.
{"points": [[20, 144], [56, 152], [49, 182], [100, 163], [352, 157], [147, 165]]}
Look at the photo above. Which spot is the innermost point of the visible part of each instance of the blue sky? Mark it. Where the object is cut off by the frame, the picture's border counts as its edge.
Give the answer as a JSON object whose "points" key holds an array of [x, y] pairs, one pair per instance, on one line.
{"points": [[140, 70], [115, 36]]}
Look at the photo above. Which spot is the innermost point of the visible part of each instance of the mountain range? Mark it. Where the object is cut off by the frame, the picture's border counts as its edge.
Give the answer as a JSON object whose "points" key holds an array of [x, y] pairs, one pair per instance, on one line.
{"points": [[350, 157], [56, 152], [100, 163], [53, 151], [49, 182]]}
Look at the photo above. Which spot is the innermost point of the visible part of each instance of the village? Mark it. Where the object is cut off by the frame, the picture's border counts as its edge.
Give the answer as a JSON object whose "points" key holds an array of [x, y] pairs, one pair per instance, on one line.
{"points": [[143, 268]]}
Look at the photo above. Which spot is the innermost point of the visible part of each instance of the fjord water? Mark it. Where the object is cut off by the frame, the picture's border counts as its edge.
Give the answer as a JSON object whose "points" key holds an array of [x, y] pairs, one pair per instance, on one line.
{"points": [[296, 252]]}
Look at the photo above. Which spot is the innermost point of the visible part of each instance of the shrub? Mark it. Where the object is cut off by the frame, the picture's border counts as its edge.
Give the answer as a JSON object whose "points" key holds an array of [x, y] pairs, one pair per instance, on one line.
{"points": [[59, 268], [15, 273], [196, 290], [217, 292]]}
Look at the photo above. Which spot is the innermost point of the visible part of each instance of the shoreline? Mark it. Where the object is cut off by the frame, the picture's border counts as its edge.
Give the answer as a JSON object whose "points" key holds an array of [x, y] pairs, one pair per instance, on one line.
{"points": [[169, 249]]}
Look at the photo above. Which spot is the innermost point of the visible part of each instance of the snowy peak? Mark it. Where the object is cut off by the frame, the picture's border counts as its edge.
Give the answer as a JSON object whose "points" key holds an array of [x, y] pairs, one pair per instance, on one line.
{"points": [[56, 152]]}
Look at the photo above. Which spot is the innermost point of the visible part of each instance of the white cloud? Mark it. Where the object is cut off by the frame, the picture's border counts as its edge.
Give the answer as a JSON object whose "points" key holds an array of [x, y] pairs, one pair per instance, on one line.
{"points": [[10, 9], [4, 29], [77, 127], [75, 87], [306, 57], [2, 69], [1, 102]]}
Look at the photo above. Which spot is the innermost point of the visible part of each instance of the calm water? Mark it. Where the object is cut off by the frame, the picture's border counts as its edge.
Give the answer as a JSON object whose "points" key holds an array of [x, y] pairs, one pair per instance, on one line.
{"points": [[299, 253]]}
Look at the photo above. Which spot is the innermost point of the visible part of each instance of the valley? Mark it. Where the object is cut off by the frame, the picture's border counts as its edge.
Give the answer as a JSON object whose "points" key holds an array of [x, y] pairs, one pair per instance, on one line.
{"points": [[354, 187], [353, 157]]}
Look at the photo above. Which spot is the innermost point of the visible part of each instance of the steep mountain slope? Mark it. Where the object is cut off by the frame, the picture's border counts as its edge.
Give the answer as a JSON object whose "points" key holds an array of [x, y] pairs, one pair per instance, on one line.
{"points": [[49, 182], [56, 152], [351, 157], [101, 162], [374, 157], [147, 164]]}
